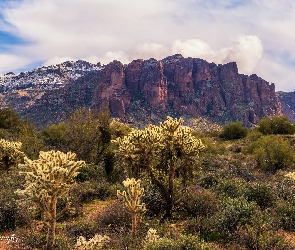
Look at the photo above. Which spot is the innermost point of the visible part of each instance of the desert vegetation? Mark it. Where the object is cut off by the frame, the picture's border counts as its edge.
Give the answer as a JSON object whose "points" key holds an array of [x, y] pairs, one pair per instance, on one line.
{"points": [[93, 182]]}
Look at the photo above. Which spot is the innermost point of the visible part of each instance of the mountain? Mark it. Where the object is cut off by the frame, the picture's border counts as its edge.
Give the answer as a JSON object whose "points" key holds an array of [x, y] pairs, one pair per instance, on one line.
{"points": [[141, 92], [287, 100]]}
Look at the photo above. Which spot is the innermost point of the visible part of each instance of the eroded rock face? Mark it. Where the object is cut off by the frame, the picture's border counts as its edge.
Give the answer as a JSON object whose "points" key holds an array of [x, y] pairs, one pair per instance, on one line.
{"points": [[149, 90], [288, 104], [188, 86]]}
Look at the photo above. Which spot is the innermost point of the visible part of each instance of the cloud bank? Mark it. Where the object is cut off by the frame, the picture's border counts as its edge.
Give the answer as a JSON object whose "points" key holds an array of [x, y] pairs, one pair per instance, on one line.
{"points": [[258, 34]]}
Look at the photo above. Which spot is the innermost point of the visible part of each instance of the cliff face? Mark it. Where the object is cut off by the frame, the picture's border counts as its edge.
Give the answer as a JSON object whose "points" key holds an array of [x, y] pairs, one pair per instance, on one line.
{"points": [[147, 91], [288, 104], [192, 87]]}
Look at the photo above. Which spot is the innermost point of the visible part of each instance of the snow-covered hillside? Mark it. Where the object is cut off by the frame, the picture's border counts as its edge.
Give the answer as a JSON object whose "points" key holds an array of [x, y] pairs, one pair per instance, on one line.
{"points": [[47, 78]]}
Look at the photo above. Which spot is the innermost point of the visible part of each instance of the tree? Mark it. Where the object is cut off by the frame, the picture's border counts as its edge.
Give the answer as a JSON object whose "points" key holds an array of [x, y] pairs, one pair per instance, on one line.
{"points": [[10, 154], [234, 130], [9, 119], [271, 152], [164, 153], [276, 125], [47, 179]]}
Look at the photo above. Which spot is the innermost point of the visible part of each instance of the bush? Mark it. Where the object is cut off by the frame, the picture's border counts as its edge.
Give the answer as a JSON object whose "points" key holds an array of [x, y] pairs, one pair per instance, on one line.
{"points": [[187, 242], [114, 218], [284, 213], [276, 125], [234, 212], [262, 194], [253, 238], [12, 214], [88, 191], [199, 203], [154, 202], [271, 153], [230, 187], [234, 130]]}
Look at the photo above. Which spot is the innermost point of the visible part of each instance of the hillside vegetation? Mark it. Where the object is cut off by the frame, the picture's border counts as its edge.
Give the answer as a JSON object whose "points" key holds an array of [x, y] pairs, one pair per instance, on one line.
{"points": [[92, 182]]}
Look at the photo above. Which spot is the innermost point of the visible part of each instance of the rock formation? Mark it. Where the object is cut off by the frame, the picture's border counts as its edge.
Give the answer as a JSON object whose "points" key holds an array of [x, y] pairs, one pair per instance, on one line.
{"points": [[147, 91]]}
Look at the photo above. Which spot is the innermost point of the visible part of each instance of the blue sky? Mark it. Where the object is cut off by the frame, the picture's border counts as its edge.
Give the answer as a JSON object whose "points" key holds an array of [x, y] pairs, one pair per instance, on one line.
{"points": [[258, 34]]}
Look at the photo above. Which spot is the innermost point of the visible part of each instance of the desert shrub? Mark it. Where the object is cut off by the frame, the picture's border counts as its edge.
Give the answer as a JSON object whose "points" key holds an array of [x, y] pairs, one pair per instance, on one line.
{"points": [[253, 238], [210, 181], [30, 239], [230, 187], [199, 203], [12, 214], [254, 135], [154, 202], [204, 226], [234, 212], [271, 153], [90, 172], [285, 216], [81, 228], [233, 131], [90, 190], [262, 194], [188, 242], [284, 188], [275, 125], [114, 218]]}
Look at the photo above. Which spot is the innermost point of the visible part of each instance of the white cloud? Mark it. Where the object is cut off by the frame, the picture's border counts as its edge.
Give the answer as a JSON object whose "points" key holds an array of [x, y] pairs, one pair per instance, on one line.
{"points": [[248, 32], [11, 62]]}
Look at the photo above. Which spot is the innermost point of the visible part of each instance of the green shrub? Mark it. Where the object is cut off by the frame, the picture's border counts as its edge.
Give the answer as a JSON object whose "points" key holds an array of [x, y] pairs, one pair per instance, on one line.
{"points": [[234, 212], [90, 190], [233, 131], [284, 213], [271, 152], [253, 238], [230, 187], [262, 194], [114, 218], [187, 242], [276, 125], [86, 229], [199, 203], [154, 202], [12, 214]]}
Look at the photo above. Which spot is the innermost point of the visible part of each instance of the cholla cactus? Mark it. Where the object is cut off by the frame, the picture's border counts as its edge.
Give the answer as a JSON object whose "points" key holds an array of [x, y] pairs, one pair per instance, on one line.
{"points": [[151, 237], [132, 200], [95, 243], [164, 152], [10, 153], [47, 179]]}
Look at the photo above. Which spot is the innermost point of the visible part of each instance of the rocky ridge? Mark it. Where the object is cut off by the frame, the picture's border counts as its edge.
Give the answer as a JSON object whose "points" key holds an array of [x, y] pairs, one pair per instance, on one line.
{"points": [[146, 91]]}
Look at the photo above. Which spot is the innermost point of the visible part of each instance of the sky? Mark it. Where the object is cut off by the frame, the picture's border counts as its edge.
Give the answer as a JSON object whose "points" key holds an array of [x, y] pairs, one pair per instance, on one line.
{"points": [[257, 34]]}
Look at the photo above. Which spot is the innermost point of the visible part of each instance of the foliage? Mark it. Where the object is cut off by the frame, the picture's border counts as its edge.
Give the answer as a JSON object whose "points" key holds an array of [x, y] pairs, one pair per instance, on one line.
{"points": [[47, 179], [233, 131], [271, 152], [188, 242], [275, 125], [95, 243], [132, 200], [234, 212], [12, 214], [10, 120], [199, 202], [262, 194], [10, 154], [164, 152]]}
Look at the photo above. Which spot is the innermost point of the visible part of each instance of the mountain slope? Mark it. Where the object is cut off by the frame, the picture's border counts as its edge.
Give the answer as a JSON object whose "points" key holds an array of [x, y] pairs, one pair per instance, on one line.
{"points": [[146, 91]]}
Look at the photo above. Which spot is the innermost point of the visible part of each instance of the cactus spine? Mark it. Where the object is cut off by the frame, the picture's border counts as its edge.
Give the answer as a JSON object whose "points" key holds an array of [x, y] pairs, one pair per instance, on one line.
{"points": [[47, 179], [131, 200]]}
